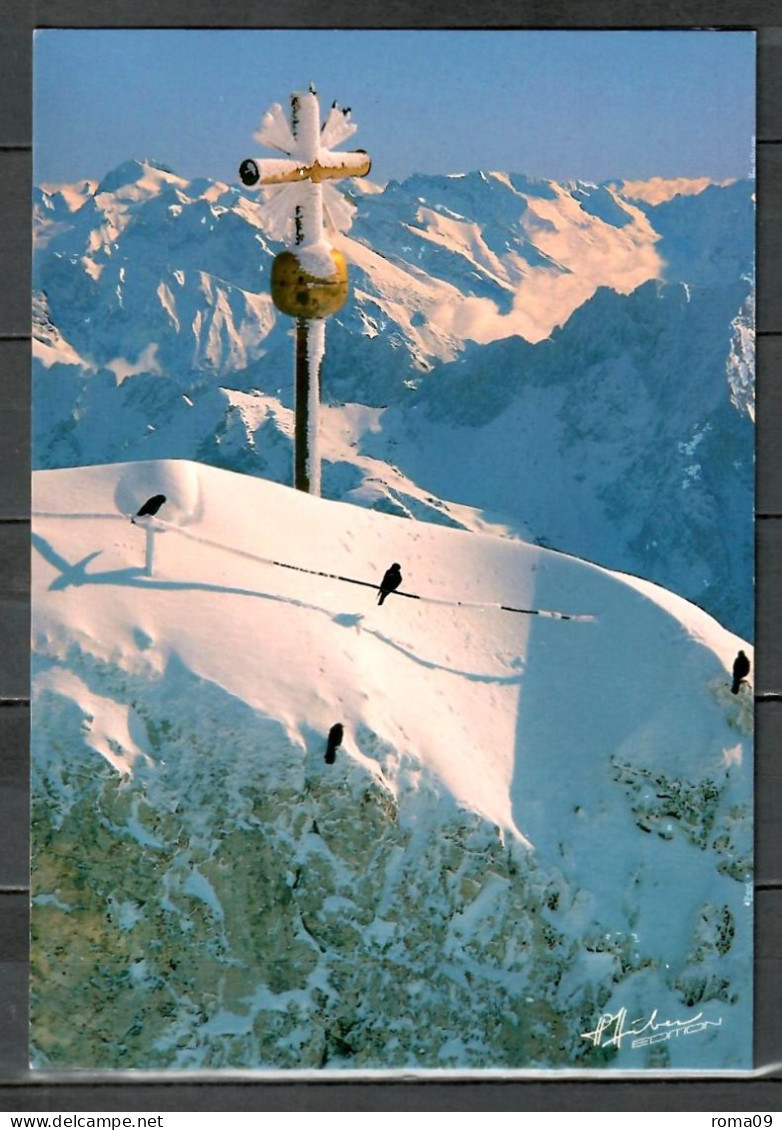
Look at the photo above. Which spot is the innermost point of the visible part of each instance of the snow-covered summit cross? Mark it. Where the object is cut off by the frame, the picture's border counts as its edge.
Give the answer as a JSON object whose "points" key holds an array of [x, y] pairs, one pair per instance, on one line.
{"points": [[299, 199], [310, 282]]}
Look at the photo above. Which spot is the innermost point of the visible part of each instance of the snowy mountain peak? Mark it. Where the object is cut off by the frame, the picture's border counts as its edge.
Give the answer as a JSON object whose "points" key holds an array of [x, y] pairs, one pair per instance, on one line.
{"points": [[146, 174], [657, 190]]}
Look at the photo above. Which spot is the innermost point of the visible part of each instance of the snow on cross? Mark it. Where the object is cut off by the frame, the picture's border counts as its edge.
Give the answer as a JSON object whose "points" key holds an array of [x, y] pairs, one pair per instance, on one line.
{"points": [[298, 194], [310, 282]]}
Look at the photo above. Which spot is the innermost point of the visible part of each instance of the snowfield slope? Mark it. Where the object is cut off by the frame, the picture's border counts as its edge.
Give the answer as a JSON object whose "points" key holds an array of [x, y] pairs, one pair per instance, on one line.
{"points": [[531, 820]]}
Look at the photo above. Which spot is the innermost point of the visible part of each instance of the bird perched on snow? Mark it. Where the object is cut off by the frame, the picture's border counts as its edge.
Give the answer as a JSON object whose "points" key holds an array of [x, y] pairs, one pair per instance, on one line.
{"points": [[392, 579], [740, 671], [150, 507], [336, 734]]}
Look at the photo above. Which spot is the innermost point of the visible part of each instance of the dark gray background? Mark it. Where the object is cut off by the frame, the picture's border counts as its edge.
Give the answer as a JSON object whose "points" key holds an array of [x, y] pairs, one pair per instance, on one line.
{"points": [[83, 1092]]}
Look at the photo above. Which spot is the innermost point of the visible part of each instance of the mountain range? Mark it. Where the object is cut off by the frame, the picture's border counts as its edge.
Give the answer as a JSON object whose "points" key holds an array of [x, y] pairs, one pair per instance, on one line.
{"points": [[571, 364]]}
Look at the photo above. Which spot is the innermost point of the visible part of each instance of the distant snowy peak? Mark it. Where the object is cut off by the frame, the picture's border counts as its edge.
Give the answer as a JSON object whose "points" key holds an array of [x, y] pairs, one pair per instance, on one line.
{"points": [[363, 186], [54, 197], [139, 174], [656, 190]]}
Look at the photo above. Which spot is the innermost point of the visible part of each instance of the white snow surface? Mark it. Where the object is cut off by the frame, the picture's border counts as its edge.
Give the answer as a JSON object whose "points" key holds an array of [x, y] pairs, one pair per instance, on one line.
{"points": [[561, 734]]}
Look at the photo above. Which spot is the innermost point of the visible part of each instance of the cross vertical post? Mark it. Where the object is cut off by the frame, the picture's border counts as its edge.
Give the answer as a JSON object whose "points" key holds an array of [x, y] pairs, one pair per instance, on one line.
{"points": [[310, 345], [309, 282]]}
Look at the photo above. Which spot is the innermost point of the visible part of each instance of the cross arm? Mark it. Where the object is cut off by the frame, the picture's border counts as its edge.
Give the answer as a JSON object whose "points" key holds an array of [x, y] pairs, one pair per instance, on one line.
{"points": [[328, 165]]}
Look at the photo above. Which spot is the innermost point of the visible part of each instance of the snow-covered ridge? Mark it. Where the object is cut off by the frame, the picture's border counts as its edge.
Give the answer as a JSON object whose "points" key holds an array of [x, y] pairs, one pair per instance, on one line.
{"points": [[659, 189], [523, 253], [491, 839]]}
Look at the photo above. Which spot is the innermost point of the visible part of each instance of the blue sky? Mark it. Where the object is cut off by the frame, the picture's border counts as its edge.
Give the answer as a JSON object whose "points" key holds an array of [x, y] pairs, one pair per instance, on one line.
{"points": [[592, 105]]}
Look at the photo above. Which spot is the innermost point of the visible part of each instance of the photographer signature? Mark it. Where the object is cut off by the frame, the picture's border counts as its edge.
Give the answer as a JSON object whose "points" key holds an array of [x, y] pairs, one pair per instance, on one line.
{"points": [[613, 1028]]}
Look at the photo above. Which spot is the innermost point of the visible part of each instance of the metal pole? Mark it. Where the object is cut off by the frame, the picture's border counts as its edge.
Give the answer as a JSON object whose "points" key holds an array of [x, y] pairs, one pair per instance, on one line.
{"points": [[301, 479], [149, 561], [310, 347]]}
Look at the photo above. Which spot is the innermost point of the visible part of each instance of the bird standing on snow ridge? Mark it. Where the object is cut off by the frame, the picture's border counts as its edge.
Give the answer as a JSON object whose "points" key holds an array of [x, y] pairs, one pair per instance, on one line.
{"points": [[740, 671], [336, 734], [391, 580], [150, 507]]}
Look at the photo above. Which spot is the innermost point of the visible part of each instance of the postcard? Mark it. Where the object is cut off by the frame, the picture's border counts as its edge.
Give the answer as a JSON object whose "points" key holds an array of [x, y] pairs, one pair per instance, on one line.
{"points": [[392, 549]]}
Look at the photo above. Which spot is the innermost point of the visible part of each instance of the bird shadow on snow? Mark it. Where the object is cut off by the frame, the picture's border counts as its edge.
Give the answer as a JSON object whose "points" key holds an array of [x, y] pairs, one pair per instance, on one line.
{"points": [[75, 575]]}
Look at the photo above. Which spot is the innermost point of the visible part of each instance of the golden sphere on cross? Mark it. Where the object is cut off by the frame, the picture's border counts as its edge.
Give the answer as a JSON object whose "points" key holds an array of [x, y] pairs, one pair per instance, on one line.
{"points": [[301, 295]]}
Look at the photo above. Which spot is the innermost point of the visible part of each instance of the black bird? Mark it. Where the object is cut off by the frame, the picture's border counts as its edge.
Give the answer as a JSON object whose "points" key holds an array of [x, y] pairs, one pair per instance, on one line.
{"points": [[740, 671], [336, 734], [391, 580], [150, 507]]}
